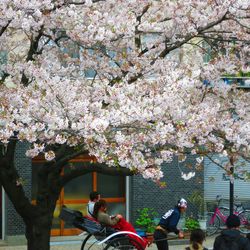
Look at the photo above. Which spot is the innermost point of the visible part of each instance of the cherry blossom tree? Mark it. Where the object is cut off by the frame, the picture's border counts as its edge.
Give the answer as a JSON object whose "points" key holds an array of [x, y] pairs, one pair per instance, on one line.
{"points": [[123, 81]]}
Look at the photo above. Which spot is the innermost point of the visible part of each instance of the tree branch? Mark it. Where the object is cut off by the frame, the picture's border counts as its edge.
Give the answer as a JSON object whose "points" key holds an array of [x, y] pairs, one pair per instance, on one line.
{"points": [[69, 153], [138, 19], [95, 167], [212, 160], [189, 37], [11, 149], [32, 50], [5, 27]]}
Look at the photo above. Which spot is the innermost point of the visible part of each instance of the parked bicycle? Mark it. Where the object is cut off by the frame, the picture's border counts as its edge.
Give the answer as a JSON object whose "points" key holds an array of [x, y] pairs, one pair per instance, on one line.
{"points": [[216, 220]]}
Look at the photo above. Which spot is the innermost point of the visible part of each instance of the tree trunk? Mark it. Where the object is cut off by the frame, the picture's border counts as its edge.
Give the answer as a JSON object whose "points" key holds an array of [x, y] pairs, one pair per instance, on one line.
{"points": [[38, 232], [37, 218]]}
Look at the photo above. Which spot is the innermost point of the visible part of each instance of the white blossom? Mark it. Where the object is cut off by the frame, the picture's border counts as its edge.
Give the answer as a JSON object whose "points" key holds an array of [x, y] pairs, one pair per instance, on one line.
{"points": [[187, 176], [49, 156], [199, 159]]}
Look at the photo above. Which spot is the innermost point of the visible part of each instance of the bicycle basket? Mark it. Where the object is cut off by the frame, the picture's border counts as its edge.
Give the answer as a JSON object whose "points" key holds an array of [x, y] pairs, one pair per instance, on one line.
{"points": [[246, 205], [224, 203], [69, 215]]}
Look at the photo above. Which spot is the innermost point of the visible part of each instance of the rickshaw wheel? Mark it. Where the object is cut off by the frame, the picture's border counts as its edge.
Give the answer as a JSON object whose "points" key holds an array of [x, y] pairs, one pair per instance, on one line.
{"points": [[124, 243], [89, 242]]}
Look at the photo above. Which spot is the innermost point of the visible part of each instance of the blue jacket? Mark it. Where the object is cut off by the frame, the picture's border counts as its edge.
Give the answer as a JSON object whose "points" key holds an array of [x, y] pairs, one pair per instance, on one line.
{"points": [[170, 220]]}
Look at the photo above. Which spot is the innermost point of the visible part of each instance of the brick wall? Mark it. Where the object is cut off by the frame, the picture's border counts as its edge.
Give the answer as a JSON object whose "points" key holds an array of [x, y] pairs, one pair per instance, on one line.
{"points": [[14, 223], [145, 193]]}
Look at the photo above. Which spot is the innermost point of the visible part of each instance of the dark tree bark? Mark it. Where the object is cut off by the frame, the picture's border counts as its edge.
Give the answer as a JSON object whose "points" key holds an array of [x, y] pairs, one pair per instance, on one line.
{"points": [[38, 232], [38, 218]]}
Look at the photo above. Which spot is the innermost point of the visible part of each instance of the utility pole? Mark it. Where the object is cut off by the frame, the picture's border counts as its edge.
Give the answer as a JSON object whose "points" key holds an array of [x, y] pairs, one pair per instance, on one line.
{"points": [[231, 194], [231, 187]]}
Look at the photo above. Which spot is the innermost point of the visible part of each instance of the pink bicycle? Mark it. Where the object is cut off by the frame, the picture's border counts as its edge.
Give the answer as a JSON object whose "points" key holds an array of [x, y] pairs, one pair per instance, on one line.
{"points": [[216, 220]]}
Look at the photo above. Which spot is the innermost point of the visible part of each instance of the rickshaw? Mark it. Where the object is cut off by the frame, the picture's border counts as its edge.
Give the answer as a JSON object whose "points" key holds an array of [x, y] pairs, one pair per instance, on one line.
{"points": [[98, 236]]}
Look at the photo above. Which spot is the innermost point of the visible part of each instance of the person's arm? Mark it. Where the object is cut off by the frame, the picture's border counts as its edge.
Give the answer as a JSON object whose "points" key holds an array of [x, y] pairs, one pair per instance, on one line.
{"points": [[105, 219]]}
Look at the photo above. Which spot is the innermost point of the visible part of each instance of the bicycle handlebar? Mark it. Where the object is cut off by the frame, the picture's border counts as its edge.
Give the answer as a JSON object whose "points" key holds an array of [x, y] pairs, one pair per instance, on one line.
{"points": [[237, 204], [219, 198]]}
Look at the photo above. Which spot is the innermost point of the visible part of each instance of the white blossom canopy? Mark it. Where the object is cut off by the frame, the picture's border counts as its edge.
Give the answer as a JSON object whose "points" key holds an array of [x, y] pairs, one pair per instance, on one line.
{"points": [[125, 80]]}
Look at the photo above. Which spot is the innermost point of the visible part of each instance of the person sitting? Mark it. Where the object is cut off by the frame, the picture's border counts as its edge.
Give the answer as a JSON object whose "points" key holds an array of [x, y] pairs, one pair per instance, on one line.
{"points": [[196, 239], [117, 222], [93, 198], [230, 238], [100, 214]]}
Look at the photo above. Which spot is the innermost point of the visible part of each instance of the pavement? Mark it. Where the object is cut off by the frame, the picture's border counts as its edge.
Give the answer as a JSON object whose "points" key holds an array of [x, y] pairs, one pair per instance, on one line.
{"points": [[74, 243]]}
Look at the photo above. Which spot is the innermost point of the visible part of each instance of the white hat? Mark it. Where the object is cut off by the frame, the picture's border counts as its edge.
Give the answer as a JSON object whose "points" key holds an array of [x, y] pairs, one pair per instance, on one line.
{"points": [[182, 203]]}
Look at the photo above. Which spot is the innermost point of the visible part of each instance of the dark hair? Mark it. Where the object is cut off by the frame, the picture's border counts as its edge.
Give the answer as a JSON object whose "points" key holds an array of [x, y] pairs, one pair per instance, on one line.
{"points": [[93, 195], [197, 236], [233, 221], [97, 206]]}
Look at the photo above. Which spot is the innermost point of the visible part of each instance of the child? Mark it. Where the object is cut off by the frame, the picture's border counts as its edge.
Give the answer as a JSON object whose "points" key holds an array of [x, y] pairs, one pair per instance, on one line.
{"points": [[196, 239]]}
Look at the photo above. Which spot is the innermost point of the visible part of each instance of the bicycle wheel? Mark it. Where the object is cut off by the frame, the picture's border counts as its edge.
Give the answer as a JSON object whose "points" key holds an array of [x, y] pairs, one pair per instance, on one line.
{"points": [[124, 243], [212, 226], [245, 221]]}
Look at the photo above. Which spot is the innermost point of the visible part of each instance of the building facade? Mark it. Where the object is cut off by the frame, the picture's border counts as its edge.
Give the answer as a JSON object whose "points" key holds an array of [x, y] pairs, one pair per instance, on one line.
{"points": [[124, 194]]}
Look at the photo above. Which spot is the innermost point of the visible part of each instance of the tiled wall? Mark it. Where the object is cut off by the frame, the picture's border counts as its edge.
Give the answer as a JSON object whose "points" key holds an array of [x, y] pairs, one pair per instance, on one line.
{"points": [[145, 193], [14, 223]]}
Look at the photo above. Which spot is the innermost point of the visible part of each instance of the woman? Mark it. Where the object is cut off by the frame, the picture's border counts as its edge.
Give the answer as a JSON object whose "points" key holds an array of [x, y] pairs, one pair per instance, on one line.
{"points": [[117, 221], [196, 239], [100, 214]]}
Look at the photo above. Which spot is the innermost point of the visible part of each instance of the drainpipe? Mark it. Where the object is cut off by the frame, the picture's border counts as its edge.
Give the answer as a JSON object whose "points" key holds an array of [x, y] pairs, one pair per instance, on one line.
{"points": [[231, 193], [3, 214]]}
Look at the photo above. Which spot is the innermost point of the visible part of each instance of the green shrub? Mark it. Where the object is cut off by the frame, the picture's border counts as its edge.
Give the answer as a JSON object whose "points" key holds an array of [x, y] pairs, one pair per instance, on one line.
{"points": [[191, 224], [197, 199], [146, 219]]}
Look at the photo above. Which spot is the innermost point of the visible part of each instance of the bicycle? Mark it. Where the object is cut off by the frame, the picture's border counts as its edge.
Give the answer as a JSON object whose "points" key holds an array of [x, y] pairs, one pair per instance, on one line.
{"points": [[216, 220]]}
